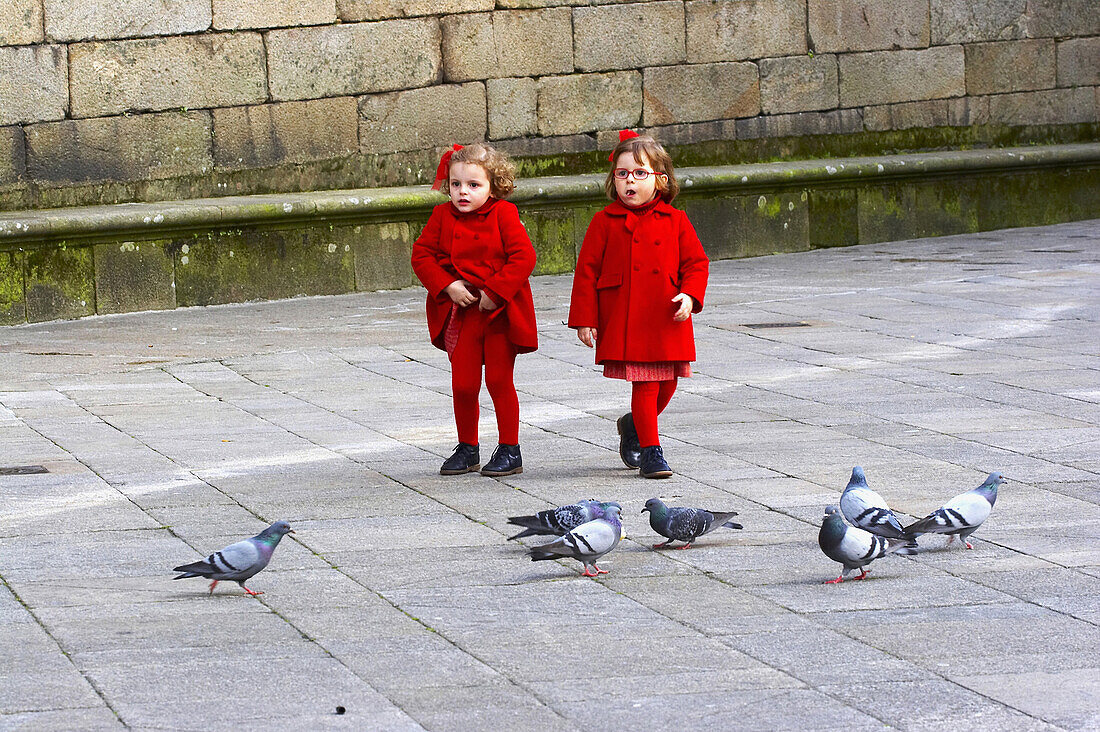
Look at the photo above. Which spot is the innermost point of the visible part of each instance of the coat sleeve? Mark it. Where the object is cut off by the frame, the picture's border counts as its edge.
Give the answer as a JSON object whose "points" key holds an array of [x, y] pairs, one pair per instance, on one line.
{"points": [[519, 257], [428, 257], [694, 265], [583, 304]]}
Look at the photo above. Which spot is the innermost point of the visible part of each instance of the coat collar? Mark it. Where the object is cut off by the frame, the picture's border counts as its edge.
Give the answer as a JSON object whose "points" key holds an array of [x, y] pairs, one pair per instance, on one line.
{"points": [[616, 208]]}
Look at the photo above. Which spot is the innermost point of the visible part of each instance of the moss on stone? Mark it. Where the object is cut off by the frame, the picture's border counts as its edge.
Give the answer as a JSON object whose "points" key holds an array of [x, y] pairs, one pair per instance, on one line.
{"points": [[552, 233], [382, 252], [133, 275], [60, 282], [12, 303]]}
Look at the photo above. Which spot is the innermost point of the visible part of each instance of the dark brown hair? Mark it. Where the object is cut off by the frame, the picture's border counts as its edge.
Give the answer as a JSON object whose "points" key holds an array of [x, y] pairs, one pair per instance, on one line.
{"points": [[645, 149], [500, 170]]}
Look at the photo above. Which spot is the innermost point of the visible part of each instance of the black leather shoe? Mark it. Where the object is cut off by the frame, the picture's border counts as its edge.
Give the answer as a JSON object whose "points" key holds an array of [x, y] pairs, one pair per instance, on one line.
{"points": [[506, 460], [653, 463], [629, 449], [466, 459]]}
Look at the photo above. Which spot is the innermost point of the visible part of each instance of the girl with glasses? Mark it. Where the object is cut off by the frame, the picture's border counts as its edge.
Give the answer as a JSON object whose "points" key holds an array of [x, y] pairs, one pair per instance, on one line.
{"points": [[640, 275], [475, 259]]}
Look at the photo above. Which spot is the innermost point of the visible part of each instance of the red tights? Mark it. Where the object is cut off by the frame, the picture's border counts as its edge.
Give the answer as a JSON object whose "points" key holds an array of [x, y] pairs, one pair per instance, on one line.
{"points": [[481, 342], [648, 399]]}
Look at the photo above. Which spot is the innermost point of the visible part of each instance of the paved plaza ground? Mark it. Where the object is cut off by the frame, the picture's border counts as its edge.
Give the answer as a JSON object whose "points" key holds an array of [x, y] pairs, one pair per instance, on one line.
{"points": [[930, 363]]}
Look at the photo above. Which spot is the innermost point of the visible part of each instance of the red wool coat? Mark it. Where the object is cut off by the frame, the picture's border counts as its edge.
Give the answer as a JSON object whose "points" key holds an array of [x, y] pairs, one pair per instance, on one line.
{"points": [[628, 271], [488, 248]]}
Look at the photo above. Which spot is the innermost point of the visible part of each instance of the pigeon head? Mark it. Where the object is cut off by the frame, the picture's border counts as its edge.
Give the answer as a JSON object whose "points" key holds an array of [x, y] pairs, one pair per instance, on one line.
{"points": [[990, 486], [612, 513], [832, 526], [655, 506], [832, 513], [858, 478], [274, 533]]}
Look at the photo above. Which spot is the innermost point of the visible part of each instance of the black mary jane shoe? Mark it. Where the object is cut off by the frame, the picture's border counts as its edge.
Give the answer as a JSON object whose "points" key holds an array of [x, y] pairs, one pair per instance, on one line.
{"points": [[506, 460], [465, 459], [653, 463], [629, 449]]}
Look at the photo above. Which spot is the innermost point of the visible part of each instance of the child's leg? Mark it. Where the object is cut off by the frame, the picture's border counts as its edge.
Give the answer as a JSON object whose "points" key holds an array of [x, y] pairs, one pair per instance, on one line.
{"points": [[643, 405], [466, 364], [500, 360], [664, 394]]}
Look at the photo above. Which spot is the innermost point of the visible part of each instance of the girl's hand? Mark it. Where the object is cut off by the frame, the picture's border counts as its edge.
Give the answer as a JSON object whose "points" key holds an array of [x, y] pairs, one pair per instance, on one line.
{"points": [[460, 294], [686, 306], [587, 336], [486, 305]]}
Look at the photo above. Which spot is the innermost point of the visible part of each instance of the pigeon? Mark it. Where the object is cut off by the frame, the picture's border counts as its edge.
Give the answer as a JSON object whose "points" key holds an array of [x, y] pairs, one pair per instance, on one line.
{"points": [[557, 521], [851, 546], [867, 510], [963, 514], [240, 561], [586, 543], [677, 523]]}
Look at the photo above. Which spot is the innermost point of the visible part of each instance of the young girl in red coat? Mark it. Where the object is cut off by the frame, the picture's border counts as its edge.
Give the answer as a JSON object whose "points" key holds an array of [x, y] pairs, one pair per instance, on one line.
{"points": [[475, 259], [640, 275]]}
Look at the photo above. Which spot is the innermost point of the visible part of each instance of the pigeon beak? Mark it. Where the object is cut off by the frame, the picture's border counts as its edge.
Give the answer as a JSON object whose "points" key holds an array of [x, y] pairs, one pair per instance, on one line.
{"points": [[291, 531], [644, 510]]}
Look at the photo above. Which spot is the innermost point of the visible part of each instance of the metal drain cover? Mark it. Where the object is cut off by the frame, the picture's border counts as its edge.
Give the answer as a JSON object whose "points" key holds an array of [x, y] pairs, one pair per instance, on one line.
{"points": [[795, 324], [23, 470]]}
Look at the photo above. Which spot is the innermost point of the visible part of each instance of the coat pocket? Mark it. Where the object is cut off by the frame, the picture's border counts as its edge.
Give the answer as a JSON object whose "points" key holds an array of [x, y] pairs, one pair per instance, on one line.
{"points": [[611, 279]]}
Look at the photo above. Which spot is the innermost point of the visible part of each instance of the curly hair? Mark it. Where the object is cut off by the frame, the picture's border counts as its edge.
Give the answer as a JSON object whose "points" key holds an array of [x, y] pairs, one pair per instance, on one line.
{"points": [[500, 170], [645, 149]]}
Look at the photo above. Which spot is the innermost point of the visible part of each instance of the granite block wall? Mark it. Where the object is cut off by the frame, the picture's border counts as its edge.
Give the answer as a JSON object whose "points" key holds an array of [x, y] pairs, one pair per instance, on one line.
{"points": [[105, 102]]}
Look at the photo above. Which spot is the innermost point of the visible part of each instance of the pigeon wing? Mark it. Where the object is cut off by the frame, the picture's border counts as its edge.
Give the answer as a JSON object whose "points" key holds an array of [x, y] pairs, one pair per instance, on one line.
{"points": [[684, 524], [235, 562], [964, 511], [868, 510]]}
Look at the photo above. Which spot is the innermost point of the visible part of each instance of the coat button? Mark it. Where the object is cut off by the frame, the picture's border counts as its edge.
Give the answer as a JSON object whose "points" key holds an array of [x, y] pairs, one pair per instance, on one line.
{"points": [[458, 235], [637, 267], [476, 237], [656, 271]]}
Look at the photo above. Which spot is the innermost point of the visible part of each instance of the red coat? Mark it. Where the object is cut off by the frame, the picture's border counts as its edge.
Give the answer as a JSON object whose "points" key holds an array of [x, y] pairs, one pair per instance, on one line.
{"points": [[488, 248], [625, 282]]}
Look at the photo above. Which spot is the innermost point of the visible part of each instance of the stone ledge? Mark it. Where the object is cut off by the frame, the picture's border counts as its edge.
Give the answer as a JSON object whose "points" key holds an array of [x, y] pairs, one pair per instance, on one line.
{"points": [[158, 220]]}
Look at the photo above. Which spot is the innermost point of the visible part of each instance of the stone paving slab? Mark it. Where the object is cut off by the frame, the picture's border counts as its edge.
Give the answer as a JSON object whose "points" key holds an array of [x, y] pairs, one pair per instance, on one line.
{"points": [[930, 363]]}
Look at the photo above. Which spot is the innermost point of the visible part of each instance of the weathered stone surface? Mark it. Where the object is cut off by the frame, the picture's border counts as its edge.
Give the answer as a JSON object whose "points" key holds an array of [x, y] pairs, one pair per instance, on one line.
{"points": [[993, 68], [676, 93], [955, 112], [20, 22], [81, 20], [231, 14], [420, 118], [12, 302], [13, 154], [492, 45], [357, 10], [60, 283], [559, 145], [308, 63], [744, 226], [382, 254], [234, 266], [132, 276], [586, 102], [552, 232], [218, 70], [269, 134], [798, 83], [833, 219], [883, 77], [1060, 18], [978, 20], [34, 84], [683, 134], [840, 121], [1079, 61], [721, 30], [655, 36], [868, 25], [513, 107], [1049, 107], [120, 148]]}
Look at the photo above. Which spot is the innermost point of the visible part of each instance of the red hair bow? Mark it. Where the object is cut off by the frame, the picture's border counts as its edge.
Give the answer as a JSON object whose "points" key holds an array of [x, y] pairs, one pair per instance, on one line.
{"points": [[623, 135], [444, 168]]}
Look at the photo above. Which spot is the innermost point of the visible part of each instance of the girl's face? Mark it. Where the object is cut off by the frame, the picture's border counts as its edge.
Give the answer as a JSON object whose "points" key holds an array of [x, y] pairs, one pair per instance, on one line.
{"points": [[469, 186], [633, 192]]}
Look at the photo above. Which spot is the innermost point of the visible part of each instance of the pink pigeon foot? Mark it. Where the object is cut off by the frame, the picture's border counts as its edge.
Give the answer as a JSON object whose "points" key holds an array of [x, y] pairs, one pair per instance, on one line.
{"points": [[662, 546], [212, 586], [837, 581], [969, 545], [685, 546], [586, 573], [862, 574], [251, 592]]}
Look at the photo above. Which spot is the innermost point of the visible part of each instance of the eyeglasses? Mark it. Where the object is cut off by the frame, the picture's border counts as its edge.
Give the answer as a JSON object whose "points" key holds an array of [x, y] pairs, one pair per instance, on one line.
{"points": [[638, 173]]}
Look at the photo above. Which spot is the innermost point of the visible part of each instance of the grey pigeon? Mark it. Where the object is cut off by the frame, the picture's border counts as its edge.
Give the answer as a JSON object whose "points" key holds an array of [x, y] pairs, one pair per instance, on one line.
{"points": [[557, 521], [867, 510], [677, 523], [851, 546], [587, 543], [963, 514], [238, 562]]}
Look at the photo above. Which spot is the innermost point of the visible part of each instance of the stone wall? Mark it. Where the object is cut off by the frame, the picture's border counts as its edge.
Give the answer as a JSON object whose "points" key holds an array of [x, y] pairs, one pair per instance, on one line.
{"points": [[156, 99]]}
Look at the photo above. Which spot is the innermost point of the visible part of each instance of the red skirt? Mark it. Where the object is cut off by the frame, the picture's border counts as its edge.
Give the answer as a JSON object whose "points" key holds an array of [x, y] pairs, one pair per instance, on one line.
{"points": [[647, 371]]}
